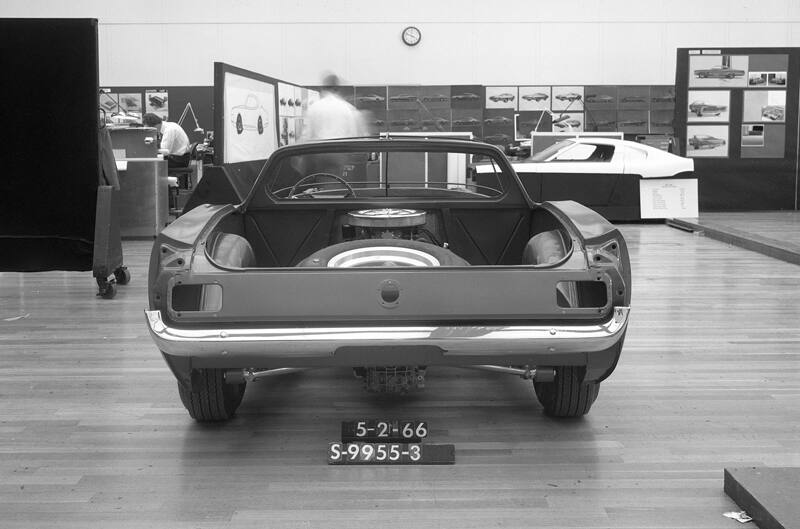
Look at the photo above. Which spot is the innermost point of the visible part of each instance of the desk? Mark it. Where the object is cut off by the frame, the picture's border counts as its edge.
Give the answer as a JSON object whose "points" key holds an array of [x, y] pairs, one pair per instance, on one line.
{"points": [[143, 204], [134, 142]]}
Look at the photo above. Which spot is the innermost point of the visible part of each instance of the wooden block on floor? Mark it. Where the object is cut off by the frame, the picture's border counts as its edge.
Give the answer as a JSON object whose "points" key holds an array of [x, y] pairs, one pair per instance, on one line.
{"points": [[768, 495]]}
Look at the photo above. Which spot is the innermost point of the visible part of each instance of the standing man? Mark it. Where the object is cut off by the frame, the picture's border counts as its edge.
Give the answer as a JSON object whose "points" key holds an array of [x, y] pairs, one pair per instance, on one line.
{"points": [[328, 118], [174, 143], [332, 116]]}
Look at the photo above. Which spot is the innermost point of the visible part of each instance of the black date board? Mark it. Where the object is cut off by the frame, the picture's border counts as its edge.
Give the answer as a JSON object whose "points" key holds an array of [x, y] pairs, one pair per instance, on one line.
{"points": [[384, 431], [359, 453]]}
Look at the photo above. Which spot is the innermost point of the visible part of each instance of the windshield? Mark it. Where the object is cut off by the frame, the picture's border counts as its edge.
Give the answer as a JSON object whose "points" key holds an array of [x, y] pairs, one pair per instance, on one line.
{"points": [[544, 155], [388, 173]]}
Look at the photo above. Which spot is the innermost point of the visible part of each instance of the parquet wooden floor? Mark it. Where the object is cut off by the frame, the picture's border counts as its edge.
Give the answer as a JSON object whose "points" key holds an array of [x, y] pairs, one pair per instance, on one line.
{"points": [[781, 225], [92, 433]]}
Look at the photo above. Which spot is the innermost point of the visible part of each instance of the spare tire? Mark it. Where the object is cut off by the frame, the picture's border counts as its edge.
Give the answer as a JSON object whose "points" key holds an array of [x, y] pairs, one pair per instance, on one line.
{"points": [[381, 252]]}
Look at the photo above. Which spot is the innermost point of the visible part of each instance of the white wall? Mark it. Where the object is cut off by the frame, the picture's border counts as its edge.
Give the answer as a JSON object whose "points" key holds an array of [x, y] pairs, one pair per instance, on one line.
{"points": [[175, 42]]}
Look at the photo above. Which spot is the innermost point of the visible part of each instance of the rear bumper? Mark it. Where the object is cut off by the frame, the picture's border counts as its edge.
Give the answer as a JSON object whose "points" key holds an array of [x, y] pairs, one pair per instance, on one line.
{"points": [[384, 345]]}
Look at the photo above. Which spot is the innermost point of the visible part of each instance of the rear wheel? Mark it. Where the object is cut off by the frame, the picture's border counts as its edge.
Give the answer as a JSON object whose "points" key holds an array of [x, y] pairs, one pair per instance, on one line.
{"points": [[568, 395], [211, 398]]}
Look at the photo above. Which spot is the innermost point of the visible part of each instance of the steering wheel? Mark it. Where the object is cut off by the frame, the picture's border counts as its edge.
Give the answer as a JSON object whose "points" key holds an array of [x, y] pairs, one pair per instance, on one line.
{"points": [[350, 190]]}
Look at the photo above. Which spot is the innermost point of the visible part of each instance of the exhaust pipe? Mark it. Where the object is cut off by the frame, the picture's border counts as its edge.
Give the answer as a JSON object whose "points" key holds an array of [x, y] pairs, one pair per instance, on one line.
{"points": [[237, 376], [544, 374]]}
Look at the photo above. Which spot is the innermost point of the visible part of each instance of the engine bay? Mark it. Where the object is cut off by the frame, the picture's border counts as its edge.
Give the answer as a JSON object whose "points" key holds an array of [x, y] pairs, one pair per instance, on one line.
{"points": [[390, 223]]}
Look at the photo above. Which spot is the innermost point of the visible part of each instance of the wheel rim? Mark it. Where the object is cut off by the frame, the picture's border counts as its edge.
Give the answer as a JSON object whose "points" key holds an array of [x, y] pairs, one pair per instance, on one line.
{"points": [[386, 217], [382, 256]]}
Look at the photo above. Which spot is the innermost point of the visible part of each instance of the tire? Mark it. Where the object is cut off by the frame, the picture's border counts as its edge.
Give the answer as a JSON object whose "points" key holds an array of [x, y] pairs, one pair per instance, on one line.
{"points": [[260, 125], [239, 125], [567, 395], [321, 258], [210, 398]]}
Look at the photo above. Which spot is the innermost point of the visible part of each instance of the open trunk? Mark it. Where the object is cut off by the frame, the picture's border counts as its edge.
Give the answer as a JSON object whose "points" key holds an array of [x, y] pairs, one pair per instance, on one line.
{"points": [[314, 265]]}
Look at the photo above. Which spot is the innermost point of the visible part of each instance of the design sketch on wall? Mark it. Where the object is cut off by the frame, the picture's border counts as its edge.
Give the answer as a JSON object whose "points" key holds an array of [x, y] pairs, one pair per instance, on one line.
{"points": [[601, 121], [250, 118], [601, 97], [752, 135], [131, 103], [501, 97], [572, 122], [707, 141], [757, 79], [529, 121], [709, 105], [157, 102], [764, 105], [632, 121], [718, 70], [534, 98], [776, 79], [108, 101], [568, 98], [466, 96]]}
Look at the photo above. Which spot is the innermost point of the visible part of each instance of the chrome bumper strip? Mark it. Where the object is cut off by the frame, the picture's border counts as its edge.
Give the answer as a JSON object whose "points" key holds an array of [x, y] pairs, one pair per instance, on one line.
{"points": [[322, 342]]}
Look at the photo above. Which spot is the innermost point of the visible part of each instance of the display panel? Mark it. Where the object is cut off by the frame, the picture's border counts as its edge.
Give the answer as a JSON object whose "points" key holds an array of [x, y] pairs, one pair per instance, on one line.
{"points": [[759, 88], [49, 100], [245, 114]]}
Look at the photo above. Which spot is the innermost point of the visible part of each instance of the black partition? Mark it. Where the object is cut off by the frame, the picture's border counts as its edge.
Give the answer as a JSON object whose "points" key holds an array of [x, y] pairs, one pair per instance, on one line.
{"points": [[736, 115], [50, 167]]}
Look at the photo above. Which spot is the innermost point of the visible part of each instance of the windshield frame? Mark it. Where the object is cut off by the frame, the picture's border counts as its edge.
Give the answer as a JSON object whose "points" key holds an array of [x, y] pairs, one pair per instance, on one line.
{"points": [[265, 180]]}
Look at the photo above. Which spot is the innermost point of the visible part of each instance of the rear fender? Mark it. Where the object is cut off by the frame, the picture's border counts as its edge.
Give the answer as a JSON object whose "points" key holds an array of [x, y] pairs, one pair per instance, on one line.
{"points": [[605, 246], [174, 247]]}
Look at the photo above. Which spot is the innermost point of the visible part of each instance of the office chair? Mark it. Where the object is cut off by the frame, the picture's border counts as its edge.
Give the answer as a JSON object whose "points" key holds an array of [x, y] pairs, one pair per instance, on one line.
{"points": [[183, 179]]}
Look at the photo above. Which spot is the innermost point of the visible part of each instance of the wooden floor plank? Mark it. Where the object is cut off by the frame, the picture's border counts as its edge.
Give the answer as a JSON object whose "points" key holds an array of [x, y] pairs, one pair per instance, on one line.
{"points": [[772, 233], [92, 433]]}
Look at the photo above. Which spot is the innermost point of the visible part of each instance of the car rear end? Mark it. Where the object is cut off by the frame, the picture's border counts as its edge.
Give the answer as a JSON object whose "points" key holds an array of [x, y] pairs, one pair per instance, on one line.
{"points": [[563, 303]]}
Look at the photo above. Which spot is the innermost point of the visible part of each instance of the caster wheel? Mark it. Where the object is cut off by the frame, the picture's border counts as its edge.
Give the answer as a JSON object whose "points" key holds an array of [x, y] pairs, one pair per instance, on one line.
{"points": [[122, 275]]}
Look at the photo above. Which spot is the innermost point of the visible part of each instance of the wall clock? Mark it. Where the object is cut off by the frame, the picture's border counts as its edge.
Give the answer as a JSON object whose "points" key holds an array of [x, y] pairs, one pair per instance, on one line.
{"points": [[412, 36]]}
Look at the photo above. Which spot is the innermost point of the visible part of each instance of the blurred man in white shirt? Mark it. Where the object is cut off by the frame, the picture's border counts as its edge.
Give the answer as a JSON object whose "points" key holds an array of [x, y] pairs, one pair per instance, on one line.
{"points": [[328, 118], [332, 116]]}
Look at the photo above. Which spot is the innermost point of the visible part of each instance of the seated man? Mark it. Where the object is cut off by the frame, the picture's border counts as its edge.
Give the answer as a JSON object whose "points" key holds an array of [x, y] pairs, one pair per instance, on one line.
{"points": [[174, 144]]}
